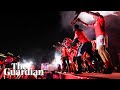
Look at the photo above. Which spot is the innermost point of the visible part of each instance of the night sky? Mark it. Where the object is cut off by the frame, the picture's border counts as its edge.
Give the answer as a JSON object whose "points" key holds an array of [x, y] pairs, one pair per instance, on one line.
{"points": [[28, 29], [32, 34]]}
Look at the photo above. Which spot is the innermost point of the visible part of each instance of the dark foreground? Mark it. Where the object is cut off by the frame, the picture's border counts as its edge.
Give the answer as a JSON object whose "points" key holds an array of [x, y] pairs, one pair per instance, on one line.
{"points": [[90, 76]]}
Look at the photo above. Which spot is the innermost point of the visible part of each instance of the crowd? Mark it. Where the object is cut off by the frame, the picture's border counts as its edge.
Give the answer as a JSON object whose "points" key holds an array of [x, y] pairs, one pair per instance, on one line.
{"points": [[77, 55], [82, 53]]}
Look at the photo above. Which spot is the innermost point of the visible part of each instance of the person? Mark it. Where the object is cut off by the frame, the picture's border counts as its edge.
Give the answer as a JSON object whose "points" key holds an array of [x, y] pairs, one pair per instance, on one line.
{"points": [[64, 56], [71, 53], [101, 39], [85, 46], [65, 59], [59, 68]]}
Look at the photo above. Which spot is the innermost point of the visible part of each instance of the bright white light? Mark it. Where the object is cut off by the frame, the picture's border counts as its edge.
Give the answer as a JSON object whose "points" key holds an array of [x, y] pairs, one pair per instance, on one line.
{"points": [[57, 58], [93, 62], [27, 64], [55, 62], [24, 60], [30, 62]]}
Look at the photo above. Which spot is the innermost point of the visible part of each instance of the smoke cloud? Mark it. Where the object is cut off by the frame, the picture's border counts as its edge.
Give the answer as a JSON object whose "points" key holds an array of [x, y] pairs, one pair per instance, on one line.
{"points": [[56, 61]]}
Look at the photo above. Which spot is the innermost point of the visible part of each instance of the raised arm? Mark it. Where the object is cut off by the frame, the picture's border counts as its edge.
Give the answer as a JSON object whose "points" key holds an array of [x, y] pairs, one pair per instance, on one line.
{"points": [[76, 17]]}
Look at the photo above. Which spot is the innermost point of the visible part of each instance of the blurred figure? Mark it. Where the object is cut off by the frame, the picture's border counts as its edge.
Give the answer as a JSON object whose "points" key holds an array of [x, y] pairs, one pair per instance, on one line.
{"points": [[59, 68], [85, 46], [64, 58], [101, 39]]}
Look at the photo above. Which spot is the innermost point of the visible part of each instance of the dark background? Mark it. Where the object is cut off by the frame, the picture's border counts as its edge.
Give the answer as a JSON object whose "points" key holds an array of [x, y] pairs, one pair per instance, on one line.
{"points": [[30, 34]]}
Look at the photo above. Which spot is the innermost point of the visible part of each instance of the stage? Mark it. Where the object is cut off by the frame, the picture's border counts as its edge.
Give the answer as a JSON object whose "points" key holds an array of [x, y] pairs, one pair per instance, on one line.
{"points": [[90, 76]]}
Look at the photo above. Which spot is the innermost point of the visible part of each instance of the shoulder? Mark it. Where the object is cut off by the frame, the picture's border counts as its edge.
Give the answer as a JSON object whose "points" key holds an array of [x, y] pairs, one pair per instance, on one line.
{"points": [[100, 18]]}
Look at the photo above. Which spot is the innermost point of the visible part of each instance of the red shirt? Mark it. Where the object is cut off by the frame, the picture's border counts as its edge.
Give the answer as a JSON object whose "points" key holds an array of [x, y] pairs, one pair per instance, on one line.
{"points": [[9, 59], [64, 52], [74, 53], [69, 54], [99, 26], [81, 36], [68, 41], [1, 62]]}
